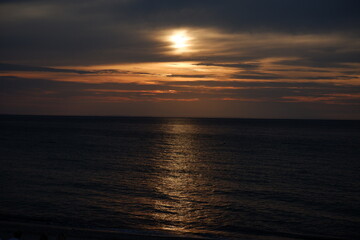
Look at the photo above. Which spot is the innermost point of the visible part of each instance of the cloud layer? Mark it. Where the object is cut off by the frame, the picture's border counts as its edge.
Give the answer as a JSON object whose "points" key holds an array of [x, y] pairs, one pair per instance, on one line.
{"points": [[245, 58]]}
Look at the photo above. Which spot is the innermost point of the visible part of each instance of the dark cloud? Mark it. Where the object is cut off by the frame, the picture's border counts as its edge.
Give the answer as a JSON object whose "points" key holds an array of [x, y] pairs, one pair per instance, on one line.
{"points": [[283, 15], [258, 76], [15, 67], [101, 32], [327, 60], [16, 84], [188, 75], [306, 70], [231, 65], [267, 84], [5, 67], [268, 76], [280, 15]]}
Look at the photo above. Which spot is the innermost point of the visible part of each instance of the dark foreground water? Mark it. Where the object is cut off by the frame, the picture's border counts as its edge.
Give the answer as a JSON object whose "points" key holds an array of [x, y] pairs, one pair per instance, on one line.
{"points": [[209, 177]]}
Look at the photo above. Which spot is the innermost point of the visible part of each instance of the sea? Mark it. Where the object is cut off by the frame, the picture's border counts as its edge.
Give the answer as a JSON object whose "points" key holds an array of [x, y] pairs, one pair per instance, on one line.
{"points": [[203, 177]]}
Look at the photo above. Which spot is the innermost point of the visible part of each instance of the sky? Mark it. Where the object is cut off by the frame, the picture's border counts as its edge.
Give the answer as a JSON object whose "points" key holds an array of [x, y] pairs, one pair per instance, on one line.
{"points": [[181, 58]]}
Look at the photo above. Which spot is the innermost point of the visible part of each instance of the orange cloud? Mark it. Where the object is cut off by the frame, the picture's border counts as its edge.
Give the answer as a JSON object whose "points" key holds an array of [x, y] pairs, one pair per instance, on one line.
{"points": [[326, 98]]}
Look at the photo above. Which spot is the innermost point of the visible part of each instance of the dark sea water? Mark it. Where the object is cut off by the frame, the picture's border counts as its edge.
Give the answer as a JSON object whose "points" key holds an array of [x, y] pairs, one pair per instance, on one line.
{"points": [[207, 177]]}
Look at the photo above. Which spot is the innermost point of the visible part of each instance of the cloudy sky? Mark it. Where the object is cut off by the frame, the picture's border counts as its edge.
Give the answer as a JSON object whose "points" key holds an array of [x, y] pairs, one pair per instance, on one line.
{"points": [[197, 58]]}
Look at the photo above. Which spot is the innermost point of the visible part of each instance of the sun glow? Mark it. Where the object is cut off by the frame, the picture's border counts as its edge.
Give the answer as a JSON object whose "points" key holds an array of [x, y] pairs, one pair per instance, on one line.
{"points": [[180, 41]]}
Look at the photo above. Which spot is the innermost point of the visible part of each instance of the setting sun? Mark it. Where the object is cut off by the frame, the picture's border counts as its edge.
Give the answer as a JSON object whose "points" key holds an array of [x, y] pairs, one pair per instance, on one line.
{"points": [[180, 40]]}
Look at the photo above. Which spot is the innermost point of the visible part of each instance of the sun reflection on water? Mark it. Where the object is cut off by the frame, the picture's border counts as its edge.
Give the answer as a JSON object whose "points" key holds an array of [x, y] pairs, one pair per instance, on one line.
{"points": [[178, 185]]}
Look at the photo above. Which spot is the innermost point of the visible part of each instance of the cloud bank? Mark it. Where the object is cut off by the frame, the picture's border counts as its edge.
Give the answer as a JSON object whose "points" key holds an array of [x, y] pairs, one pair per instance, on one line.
{"points": [[246, 58]]}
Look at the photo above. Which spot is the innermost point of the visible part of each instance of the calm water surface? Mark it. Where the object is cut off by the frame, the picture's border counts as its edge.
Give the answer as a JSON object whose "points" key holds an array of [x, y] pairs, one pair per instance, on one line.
{"points": [[208, 177]]}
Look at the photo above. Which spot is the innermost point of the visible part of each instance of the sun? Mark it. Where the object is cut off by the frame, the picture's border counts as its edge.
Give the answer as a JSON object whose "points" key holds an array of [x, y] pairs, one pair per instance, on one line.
{"points": [[180, 40]]}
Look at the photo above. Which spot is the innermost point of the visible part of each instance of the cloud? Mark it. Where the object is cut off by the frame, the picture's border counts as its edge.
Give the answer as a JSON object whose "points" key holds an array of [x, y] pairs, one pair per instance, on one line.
{"points": [[257, 51], [278, 15], [15, 85], [188, 75], [103, 32], [257, 76], [342, 99], [173, 89], [231, 65], [5, 67], [197, 98], [326, 60], [15, 67]]}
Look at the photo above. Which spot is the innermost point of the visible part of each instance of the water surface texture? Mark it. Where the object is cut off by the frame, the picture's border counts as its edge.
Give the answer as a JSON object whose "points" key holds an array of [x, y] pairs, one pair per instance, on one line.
{"points": [[208, 177]]}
